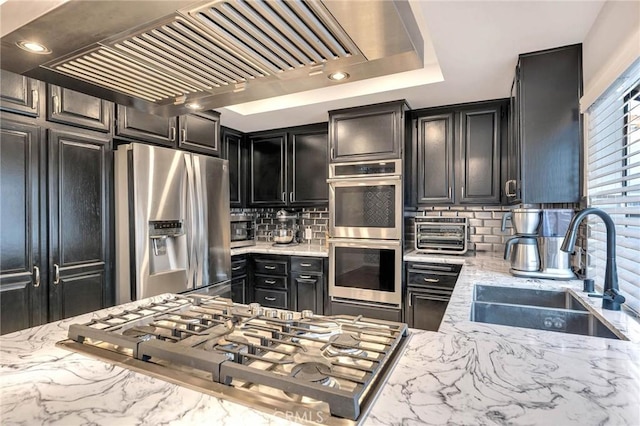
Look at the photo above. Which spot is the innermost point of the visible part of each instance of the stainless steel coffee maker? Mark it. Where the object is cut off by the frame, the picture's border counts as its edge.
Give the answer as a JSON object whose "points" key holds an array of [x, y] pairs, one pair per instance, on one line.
{"points": [[535, 250], [522, 250]]}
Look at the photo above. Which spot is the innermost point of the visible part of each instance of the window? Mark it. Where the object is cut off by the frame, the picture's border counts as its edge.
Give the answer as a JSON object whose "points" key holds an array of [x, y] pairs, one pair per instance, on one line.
{"points": [[613, 180]]}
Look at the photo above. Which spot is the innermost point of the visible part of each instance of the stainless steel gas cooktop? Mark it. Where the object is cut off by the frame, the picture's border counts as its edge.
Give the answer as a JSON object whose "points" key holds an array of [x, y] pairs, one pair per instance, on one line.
{"points": [[304, 367]]}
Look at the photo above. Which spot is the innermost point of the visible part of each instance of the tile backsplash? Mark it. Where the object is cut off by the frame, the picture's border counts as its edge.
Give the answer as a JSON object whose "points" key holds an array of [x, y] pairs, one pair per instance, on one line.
{"points": [[485, 223], [316, 218]]}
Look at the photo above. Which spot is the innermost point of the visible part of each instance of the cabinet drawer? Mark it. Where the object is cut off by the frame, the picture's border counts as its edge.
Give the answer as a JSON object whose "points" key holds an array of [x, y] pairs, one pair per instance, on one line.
{"points": [[238, 267], [270, 282], [271, 267], [306, 264], [422, 279], [271, 298]]}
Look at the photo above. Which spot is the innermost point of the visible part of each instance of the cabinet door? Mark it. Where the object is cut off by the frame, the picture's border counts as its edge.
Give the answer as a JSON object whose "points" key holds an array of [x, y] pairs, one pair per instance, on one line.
{"points": [[478, 165], [239, 289], [512, 180], [77, 109], [551, 125], [435, 172], [233, 150], [200, 133], [307, 292], [146, 127], [19, 94], [22, 276], [425, 311], [79, 176], [308, 166], [268, 170], [367, 133]]}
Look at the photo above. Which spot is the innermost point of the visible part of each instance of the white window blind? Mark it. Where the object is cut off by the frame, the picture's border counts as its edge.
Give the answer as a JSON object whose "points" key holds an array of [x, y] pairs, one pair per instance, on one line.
{"points": [[613, 180]]}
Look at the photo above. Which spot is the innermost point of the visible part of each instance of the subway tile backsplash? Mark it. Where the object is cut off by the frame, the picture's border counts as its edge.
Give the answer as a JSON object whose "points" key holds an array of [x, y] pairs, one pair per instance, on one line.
{"points": [[485, 223], [317, 218]]}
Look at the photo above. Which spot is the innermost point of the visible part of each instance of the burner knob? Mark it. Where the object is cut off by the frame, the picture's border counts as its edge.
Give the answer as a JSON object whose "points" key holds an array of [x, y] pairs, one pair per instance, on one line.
{"points": [[271, 313], [255, 308], [307, 313], [286, 315]]}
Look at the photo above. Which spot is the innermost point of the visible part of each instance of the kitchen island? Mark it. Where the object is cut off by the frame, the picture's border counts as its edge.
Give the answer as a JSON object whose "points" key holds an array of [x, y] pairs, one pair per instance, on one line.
{"points": [[468, 373]]}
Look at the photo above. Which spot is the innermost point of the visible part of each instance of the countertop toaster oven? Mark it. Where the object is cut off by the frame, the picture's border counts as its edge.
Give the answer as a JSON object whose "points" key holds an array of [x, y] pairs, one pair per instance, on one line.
{"points": [[444, 235]]}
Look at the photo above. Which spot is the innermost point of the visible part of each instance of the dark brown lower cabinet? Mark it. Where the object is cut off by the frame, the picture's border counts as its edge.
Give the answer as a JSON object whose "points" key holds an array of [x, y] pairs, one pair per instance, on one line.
{"points": [[54, 250], [79, 179], [23, 288]]}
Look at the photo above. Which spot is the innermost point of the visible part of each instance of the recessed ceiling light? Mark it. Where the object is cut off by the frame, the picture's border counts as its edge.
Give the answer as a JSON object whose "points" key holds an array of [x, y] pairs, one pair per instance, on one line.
{"points": [[338, 76], [193, 105], [33, 47]]}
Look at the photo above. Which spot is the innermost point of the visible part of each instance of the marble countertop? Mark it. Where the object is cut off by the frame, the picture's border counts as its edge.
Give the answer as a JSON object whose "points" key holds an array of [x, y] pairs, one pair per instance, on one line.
{"points": [[302, 249], [467, 373]]}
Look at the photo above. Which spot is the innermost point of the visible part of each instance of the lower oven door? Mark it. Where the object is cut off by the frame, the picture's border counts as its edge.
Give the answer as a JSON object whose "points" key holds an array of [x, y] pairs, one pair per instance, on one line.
{"points": [[366, 271], [425, 308]]}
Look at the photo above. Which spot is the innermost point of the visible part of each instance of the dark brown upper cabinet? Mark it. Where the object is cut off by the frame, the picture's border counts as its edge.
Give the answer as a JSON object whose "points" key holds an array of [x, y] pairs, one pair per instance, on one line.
{"points": [[479, 146], [288, 167], [544, 152], [435, 169], [142, 126], [308, 165], [20, 94], [77, 109], [233, 150], [268, 170], [200, 132], [372, 132], [456, 156]]}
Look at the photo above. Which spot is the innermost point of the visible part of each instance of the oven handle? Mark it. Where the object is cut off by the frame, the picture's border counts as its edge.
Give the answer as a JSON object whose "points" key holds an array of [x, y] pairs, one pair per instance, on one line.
{"points": [[373, 179], [355, 242]]}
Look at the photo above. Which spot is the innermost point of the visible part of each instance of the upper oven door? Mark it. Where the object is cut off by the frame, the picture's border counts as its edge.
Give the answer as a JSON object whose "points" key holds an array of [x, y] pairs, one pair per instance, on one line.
{"points": [[366, 208], [366, 270]]}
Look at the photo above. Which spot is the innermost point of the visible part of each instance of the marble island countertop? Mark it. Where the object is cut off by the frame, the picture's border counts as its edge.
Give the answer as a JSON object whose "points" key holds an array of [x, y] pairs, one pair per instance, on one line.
{"points": [[468, 373]]}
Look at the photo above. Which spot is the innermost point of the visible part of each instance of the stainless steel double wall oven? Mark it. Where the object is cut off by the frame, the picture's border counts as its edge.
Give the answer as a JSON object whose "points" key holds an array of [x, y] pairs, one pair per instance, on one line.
{"points": [[365, 227]]}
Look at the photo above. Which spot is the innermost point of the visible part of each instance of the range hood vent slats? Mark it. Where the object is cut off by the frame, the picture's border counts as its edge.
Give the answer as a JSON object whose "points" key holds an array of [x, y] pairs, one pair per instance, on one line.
{"points": [[270, 24], [226, 73], [206, 44], [145, 74], [159, 60], [162, 47], [226, 28], [113, 73]]}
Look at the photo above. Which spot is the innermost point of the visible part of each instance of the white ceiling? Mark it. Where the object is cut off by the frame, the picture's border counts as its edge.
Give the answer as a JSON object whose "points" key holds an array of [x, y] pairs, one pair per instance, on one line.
{"points": [[476, 43]]}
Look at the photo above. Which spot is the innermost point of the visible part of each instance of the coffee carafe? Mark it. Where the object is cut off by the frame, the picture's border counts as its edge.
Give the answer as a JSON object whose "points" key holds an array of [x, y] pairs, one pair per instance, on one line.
{"points": [[522, 250]]}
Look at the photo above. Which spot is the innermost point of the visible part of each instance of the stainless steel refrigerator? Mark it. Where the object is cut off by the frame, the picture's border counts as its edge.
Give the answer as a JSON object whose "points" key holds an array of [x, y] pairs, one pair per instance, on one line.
{"points": [[172, 223]]}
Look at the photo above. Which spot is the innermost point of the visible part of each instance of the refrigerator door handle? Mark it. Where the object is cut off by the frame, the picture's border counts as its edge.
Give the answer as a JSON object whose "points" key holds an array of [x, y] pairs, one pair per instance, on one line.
{"points": [[201, 246], [192, 228]]}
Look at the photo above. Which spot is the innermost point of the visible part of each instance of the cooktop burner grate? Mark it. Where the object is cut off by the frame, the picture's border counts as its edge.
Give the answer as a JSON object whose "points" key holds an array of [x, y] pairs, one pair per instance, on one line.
{"points": [[338, 361]]}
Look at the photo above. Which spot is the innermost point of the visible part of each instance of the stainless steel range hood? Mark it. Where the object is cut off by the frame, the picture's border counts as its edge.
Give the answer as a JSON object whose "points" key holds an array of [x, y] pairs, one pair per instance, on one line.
{"points": [[159, 56]]}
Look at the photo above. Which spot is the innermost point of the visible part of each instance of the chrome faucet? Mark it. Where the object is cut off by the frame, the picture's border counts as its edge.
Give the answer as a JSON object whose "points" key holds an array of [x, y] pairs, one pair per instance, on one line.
{"points": [[611, 298]]}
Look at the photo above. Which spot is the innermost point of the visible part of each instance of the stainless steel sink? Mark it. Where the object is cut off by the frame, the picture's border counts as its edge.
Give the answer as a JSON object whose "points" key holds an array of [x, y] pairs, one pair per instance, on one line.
{"points": [[548, 310], [524, 296]]}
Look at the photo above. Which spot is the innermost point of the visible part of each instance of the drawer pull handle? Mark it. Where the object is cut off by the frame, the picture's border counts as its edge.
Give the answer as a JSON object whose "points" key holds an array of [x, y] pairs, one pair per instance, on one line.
{"points": [[236, 268], [270, 299], [269, 267], [305, 265], [305, 277], [431, 280], [270, 281]]}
